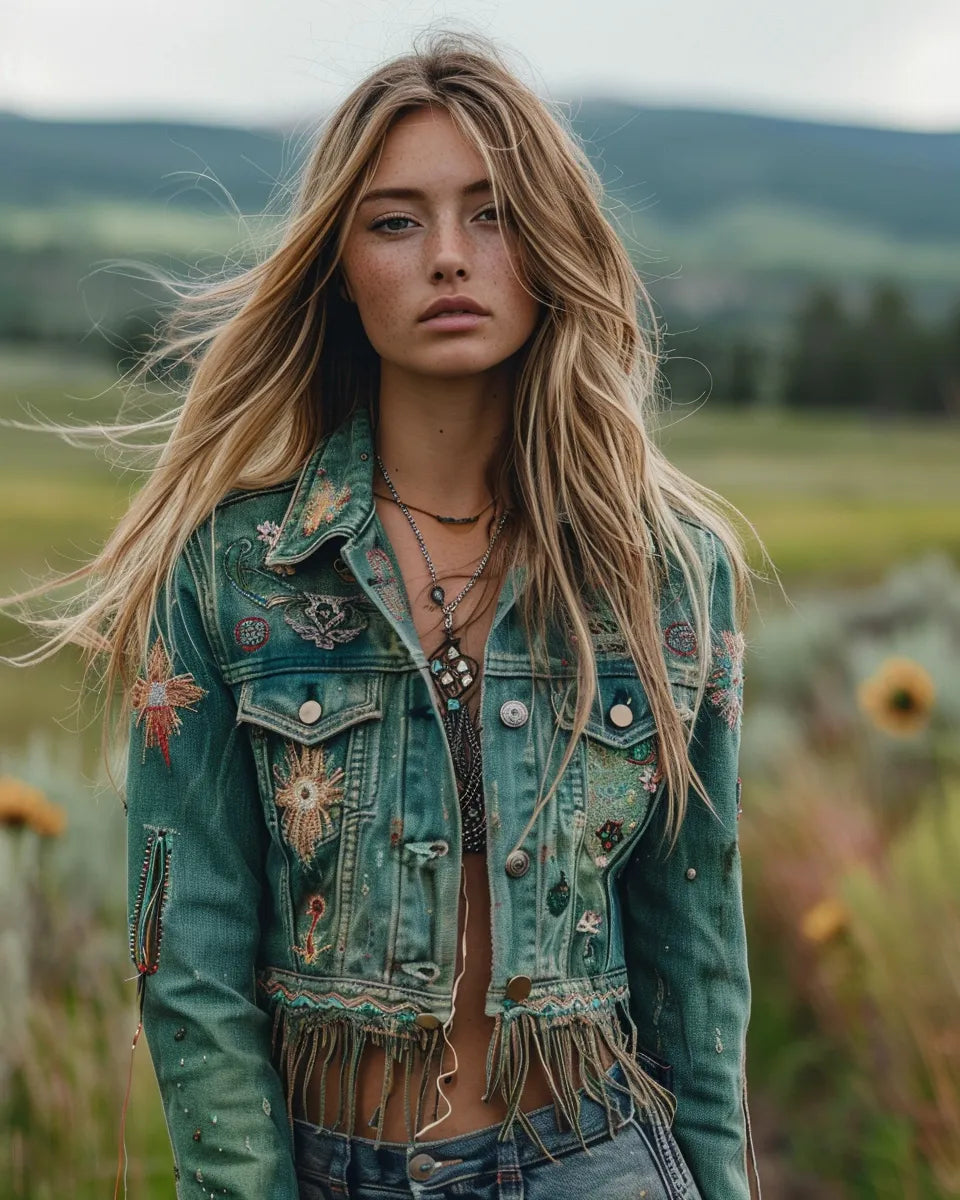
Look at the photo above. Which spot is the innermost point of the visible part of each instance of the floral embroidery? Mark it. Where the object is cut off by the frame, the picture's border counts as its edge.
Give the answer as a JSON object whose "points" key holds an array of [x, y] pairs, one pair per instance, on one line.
{"points": [[619, 783], [644, 754], [326, 502], [558, 896], [268, 532], [157, 698], [306, 795], [309, 951], [610, 834], [327, 621], [725, 684], [590, 922], [250, 633], [680, 637], [386, 584]]}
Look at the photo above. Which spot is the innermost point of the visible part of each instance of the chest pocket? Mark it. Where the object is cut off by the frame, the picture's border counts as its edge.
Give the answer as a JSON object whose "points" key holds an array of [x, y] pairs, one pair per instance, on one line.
{"points": [[316, 741], [621, 761]]}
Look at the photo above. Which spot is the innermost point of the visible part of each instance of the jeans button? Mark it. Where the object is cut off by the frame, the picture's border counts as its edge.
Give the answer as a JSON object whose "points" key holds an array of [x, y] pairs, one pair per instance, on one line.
{"points": [[310, 712], [518, 987], [621, 715], [514, 713], [421, 1166], [517, 864]]}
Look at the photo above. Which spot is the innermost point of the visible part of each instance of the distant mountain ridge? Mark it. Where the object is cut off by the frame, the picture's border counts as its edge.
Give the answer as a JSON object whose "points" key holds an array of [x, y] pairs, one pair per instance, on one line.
{"points": [[676, 164]]}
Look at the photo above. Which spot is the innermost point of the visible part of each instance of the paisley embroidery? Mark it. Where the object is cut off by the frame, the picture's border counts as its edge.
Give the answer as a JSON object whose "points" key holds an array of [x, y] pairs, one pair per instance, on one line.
{"points": [[306, 795], [680, 637], [327, 621], [251, 578], [385, 582], [157, 697], [725, 683], [324, 504]]}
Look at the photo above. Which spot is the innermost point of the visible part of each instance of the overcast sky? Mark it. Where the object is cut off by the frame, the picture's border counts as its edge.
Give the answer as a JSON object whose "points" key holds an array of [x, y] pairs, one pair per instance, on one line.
{"points": [[877, 62]]}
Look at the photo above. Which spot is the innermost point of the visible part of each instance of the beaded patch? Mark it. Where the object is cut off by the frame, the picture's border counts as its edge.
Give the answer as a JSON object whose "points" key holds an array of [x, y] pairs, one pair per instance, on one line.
{"points": [[146, 928], [157, 697], [307, 796], [327, 621], [325, 504], [679, 636], [558, 896], [725, 684], [386, 584], [250, 633], [310, 951]]}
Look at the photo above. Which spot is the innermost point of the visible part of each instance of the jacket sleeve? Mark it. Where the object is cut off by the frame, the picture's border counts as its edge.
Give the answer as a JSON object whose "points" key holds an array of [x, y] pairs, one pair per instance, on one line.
{"points": [[684, 932], [196, 846]]}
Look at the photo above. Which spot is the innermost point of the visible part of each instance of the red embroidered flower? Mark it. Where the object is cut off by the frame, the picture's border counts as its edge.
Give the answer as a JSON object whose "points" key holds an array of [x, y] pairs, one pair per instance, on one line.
{"points": [[157, 697]]}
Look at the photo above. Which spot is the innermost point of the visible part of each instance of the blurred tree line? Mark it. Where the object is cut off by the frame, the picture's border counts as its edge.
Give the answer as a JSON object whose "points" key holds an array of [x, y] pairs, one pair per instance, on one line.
{"points": [[880, 361], [876, 357]]}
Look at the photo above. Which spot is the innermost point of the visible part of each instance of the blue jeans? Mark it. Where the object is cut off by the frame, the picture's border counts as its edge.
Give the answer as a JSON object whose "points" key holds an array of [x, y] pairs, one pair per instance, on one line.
{"points": [[640, 1160]]}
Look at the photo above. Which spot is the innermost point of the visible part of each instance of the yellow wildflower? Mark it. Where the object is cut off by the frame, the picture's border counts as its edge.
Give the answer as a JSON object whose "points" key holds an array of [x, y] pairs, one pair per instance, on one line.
{"points": [[898, 697], [824, 920], [26, 807]]}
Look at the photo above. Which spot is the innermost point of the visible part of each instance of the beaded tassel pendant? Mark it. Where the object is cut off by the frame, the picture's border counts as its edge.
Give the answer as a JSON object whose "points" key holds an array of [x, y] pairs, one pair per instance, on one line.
{"points": [[454, 673]]}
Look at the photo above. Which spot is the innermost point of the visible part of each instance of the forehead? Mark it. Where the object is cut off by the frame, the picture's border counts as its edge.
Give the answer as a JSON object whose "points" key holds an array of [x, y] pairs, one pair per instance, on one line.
{"points": [[425, 150]]}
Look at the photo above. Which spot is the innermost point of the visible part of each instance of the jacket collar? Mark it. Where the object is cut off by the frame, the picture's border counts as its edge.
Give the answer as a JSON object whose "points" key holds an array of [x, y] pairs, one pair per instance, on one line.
{"points": [[333, 496]]}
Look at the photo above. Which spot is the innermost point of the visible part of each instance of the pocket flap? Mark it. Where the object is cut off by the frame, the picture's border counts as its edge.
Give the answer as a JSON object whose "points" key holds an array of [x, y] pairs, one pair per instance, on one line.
{"points": [[310, 706], [621, 715]]}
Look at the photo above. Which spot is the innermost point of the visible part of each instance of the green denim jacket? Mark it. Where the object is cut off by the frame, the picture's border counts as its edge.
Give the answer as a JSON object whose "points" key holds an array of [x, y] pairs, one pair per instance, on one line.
{"points": [[294, 847]]}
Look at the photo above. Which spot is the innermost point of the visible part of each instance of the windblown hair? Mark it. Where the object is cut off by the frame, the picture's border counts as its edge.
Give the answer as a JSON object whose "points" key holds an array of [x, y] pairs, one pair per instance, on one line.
{"points": [[272, 358]]}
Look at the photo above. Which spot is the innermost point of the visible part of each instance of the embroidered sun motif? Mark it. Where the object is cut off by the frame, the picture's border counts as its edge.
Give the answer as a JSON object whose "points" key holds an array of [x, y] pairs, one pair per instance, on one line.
{"points": [[306, 793], [157, 697], [725, 685], [324, 505]]}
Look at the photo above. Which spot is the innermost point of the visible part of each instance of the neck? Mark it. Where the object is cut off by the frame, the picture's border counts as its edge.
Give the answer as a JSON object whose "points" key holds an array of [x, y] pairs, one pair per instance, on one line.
{"points": [[440, 443]]}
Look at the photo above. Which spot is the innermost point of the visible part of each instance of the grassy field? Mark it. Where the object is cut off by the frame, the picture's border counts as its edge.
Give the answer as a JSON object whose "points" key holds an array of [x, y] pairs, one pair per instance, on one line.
{"points": [[835, 501]]}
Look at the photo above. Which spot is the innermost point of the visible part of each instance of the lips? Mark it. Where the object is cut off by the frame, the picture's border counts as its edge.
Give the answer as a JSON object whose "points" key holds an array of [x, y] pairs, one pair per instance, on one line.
{"points": [[454, 305]]}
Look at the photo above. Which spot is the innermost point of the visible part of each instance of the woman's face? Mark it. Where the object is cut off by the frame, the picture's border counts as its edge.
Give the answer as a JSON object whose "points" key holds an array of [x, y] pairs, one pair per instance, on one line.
{"points": [[403, 252]]}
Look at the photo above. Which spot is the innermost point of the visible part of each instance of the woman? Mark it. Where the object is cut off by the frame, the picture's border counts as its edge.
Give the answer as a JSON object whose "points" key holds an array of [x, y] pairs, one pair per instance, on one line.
{"points": [[427, 652]]}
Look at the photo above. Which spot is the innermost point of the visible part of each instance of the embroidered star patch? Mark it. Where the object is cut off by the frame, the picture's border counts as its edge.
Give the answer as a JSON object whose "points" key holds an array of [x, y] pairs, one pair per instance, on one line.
{"points": [[157, 697]]}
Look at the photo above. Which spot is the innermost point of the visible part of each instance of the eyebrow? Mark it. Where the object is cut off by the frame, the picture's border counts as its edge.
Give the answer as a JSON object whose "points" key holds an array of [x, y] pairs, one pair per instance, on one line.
{"points": [[402, 193]]}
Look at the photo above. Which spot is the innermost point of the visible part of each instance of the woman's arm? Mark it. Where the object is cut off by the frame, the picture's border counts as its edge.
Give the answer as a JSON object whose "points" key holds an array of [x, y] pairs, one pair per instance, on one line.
{"points": [[684, 933], [196, 849]]}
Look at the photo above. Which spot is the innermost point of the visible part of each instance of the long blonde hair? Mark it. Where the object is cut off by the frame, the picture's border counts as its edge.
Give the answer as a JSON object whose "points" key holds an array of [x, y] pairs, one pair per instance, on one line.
{"points": [[273, 358]]}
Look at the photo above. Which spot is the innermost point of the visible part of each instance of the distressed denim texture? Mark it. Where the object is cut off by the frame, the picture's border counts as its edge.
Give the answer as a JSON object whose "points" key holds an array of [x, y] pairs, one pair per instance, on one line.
{"points": [[294, 854]]}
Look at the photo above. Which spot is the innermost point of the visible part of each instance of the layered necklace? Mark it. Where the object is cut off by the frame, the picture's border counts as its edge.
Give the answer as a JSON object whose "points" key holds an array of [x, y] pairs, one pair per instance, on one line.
{"points": [[453, 674]]}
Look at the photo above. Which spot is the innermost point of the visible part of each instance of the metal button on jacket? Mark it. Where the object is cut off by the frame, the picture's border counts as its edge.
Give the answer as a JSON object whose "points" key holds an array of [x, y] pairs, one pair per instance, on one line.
{"points": [[421, 1166], [621, 715], [518, 987], [691, 872], [518, 863], [427, 1020], [514, 713], [310, 712]]}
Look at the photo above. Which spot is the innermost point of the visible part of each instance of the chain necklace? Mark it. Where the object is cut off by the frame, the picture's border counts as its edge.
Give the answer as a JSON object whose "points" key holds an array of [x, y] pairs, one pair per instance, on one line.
{"points": [[445, 520], [453, 674]]}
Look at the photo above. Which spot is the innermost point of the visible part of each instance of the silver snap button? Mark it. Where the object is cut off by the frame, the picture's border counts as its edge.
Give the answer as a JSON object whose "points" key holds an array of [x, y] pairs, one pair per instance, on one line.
{"points": [[517, 864], [621, 715], [310, 712], [514, 713], [691, 872], [421, 1166]]}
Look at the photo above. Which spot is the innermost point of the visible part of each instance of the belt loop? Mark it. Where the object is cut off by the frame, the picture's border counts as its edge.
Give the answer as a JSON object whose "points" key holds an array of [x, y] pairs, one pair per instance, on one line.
{"points": [[509, 1171]]}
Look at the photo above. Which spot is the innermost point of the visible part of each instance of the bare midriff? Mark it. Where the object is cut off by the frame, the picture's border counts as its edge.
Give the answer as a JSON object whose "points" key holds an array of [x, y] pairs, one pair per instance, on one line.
{"points": [[470, 1031]]}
